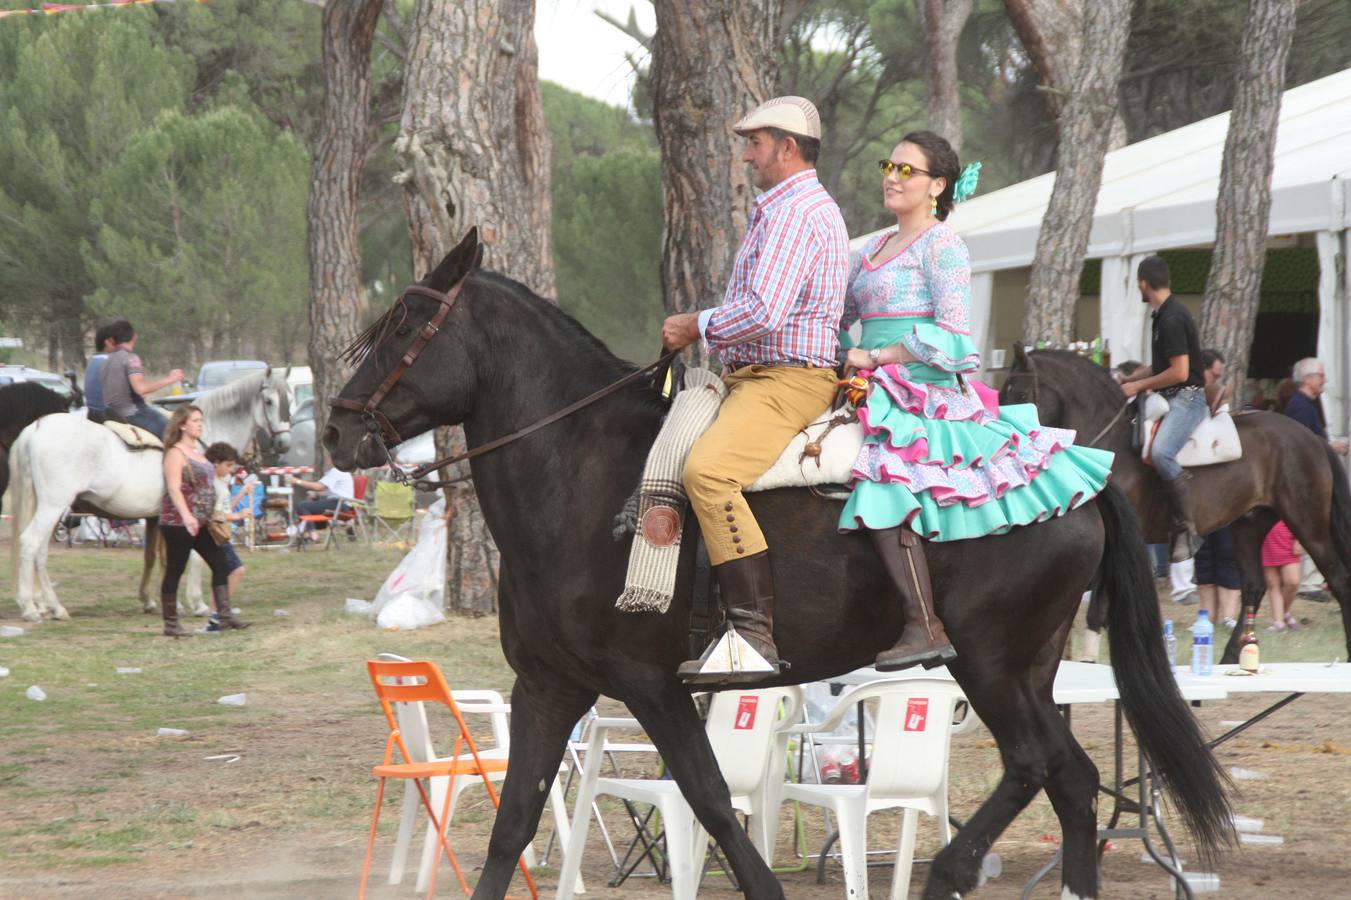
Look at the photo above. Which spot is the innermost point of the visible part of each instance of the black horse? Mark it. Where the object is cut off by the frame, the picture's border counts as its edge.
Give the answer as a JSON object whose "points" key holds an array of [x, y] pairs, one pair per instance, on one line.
{"points": [[504, 358], [20, 404], [1286, 473]]}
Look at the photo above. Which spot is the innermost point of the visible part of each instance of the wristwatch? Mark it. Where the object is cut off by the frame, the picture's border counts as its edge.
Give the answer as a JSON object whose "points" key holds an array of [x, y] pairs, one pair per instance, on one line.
{"points": [[875, 354]]}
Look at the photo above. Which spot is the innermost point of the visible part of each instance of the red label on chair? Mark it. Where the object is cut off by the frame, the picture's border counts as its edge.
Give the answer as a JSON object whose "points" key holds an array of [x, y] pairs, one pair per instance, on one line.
{"points": [[916, 712], [745, 713]]}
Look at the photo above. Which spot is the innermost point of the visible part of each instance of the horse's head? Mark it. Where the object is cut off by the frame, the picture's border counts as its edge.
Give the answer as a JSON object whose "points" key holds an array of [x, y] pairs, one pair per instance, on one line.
{"points": [[1025, 384], [272, 409], [395, 394], [1069, 391]]}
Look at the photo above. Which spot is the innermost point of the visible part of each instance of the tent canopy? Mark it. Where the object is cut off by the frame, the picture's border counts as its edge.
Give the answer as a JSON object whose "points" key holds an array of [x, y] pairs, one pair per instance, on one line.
{"points": [[1160, 192]]}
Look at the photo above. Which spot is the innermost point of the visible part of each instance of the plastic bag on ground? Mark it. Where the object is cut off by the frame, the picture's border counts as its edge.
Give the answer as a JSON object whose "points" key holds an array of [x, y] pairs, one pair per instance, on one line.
{"points": [[412, 595]]}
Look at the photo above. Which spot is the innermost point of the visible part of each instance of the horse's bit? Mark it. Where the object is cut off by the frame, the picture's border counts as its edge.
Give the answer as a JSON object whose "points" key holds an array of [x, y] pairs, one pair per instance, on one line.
{"points": [[386, 435]]}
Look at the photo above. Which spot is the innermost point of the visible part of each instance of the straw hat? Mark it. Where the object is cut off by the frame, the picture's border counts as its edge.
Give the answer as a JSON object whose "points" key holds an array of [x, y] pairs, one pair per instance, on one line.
{"points": [[795, 115]]}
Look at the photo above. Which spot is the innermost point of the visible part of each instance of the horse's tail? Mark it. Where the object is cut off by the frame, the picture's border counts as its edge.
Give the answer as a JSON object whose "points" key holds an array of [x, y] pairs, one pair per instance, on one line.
{"points": [[23, 495], [1163, 724], [1340, 526]]}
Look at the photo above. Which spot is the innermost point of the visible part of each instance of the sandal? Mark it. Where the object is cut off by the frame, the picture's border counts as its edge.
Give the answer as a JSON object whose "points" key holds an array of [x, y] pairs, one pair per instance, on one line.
{"points": [[1291, 623], [1276, 627]]}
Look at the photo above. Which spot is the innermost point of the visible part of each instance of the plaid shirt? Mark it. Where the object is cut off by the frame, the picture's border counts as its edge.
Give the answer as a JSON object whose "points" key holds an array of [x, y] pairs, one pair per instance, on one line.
{"points": [[786, 294]]}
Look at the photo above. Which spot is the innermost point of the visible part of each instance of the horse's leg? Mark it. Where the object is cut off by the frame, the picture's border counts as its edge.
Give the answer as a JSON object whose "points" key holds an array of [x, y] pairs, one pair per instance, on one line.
{"points": [[669, 718], [149, 604], [1011, 709], [49, 600], [1249, 532], [1072, 787], [32, 543], [193, 604], [543, 713]]}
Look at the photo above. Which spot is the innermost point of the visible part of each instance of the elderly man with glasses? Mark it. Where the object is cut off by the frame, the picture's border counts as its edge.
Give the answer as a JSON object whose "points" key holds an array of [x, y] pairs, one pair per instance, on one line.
{"points": [[1311, 380]]}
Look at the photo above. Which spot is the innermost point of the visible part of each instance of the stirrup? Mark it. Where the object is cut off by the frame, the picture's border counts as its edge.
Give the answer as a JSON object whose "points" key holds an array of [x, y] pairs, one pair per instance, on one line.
{"points": [[728, 658]]}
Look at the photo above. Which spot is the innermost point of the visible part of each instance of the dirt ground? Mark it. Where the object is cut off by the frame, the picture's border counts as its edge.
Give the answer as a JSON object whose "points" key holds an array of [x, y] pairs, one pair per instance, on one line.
{"points": [[101, 808]]}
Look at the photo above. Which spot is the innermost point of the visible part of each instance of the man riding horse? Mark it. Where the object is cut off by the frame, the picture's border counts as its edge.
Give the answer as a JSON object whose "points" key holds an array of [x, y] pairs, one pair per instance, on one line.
{"points": [[1178, 374], [776, 336]]}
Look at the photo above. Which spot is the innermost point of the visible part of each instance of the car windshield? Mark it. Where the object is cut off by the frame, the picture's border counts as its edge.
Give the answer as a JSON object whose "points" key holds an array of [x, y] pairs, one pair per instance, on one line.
{"points": [[55, 384]]}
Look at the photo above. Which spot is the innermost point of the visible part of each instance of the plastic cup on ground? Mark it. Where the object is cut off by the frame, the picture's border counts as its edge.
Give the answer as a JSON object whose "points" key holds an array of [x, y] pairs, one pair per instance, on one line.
{"points": [[35, 693], [233, 700]]}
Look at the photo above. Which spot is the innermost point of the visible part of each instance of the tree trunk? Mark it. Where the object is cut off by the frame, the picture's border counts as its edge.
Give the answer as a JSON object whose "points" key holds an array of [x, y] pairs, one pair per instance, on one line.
{"points": [[474, 151], [1053, 33], [943, 21], [1243, 206], [333, 212], [1084, 132], [711, 64]]}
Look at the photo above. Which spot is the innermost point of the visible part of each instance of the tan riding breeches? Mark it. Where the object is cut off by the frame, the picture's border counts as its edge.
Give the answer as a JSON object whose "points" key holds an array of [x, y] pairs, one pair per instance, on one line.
{"points": [[765, 407]]}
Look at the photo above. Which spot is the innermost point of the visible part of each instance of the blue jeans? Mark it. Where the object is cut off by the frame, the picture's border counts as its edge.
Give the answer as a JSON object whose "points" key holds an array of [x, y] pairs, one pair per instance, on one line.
{"points": [[1186, 411], [151, 419]]}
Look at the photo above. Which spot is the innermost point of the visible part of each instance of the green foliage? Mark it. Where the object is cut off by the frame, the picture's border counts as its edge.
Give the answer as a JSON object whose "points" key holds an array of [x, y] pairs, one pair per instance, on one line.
{"points": [[606, 221], [202, 236]]}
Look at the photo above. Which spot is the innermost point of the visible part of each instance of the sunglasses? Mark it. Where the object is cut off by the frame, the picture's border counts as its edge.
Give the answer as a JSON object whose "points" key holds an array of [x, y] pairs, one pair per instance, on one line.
{"points": [[903, 170]]}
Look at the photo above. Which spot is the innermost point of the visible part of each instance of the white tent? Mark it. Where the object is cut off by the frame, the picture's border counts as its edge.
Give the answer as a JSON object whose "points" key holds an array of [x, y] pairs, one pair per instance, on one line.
{"points": [[1160, 194]]}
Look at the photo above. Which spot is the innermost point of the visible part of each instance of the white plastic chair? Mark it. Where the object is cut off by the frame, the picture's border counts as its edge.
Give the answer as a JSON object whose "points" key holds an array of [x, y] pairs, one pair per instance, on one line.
{"points": [[741, 726], [417, 735], [908, 769]]}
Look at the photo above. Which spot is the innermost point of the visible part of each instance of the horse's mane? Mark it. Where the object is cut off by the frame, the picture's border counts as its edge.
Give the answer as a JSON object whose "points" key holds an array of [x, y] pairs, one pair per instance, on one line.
{"points": [[1099, 380], [23, 402], [234, 395]]}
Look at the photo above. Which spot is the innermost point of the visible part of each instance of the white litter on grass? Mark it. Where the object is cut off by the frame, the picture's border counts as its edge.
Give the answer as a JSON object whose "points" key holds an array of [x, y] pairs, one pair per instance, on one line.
{"points": [[281, 613], [358, 607], [11, 631], [128, 670], [227, 757], [1244, 824], [1247, 774], [1202, 882], [35, 693], [1260, 839], [1231, 723], [236, 611], [172, 732], [4, 673], [233, 700]]}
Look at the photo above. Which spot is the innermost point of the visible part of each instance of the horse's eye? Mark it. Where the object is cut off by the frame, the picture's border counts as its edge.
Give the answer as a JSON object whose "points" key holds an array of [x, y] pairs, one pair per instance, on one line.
{"points": [[403, 330]]}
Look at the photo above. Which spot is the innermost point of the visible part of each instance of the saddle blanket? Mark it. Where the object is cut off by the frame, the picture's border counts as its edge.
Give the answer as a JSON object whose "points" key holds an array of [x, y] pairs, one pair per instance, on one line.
{"points": [[819, 454], [135, 438], [1214, 441]]}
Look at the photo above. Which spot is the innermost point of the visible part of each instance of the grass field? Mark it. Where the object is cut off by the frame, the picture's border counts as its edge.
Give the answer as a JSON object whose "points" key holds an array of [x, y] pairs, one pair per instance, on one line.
{"points": [[97, 805]]}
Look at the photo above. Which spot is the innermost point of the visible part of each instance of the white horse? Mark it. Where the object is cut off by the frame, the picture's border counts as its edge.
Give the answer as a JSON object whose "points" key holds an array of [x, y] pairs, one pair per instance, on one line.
{"points": [[65, 460]]}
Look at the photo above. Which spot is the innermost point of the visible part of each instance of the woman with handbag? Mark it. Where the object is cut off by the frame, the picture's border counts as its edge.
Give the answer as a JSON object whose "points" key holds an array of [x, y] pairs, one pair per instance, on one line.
{"points": [[185, 513]]}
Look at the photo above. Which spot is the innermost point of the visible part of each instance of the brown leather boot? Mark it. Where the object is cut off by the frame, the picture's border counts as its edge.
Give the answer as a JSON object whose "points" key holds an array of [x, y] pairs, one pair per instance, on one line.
{"points": [[168, 605], [747, 587], [220, 595], [923, 642], [1185, 539]]}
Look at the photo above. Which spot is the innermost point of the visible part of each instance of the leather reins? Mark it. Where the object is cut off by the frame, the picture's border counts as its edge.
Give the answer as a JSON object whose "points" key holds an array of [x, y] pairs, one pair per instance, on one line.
{"points": [[386, 435]]}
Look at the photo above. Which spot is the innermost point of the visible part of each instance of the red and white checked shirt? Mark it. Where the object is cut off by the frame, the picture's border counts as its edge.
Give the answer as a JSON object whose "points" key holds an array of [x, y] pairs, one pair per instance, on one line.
{"points": [[786, 293]]}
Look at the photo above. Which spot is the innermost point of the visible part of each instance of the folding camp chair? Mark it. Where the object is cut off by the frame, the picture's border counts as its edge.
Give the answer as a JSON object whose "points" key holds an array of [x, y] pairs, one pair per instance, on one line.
{"points": [[391, 515], [421, 681], [347, 512]]}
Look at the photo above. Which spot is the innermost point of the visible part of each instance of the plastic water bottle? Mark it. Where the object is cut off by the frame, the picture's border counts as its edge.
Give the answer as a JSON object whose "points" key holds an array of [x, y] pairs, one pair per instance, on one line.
{"points": [[1203, 633], [1169, 642]]}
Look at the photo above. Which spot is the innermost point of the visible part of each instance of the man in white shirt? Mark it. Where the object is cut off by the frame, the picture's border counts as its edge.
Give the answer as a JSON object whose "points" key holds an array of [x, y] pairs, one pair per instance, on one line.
{"points": [[335, 486]]}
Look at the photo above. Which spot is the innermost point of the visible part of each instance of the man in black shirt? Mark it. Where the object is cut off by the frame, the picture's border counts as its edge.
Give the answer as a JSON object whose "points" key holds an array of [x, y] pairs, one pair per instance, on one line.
{"points": [[1177, 373]]}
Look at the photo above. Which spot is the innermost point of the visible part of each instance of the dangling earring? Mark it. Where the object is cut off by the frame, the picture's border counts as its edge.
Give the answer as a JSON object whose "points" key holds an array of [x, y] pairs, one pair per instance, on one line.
{"points": [[933, 206]]}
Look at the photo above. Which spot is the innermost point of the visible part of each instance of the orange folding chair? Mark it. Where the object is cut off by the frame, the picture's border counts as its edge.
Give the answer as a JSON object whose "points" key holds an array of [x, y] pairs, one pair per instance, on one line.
{"points": [[414, 682]]}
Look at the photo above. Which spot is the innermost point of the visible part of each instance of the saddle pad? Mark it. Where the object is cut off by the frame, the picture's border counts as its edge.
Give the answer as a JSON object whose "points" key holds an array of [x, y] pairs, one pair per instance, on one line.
{"points": [[1214, 441], [839, 449], [135, 438]]}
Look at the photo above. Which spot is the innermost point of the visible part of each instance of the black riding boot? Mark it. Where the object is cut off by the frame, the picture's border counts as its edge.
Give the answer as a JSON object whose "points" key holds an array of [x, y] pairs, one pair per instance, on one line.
{"points": [[168, 604], [1185, 539], [923, 642], [747, 588]]}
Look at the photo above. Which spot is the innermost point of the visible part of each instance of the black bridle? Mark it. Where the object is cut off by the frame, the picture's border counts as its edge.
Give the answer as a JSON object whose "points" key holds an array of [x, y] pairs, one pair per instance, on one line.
{"points": [[382, 430]]}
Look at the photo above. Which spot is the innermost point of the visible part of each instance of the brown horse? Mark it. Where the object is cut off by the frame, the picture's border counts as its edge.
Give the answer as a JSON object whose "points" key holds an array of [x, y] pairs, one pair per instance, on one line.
{"points": [[1287, 472]]}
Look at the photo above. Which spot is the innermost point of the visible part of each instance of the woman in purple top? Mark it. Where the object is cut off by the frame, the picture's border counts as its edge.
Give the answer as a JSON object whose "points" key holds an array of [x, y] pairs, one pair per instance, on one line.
{"points": [[189, 498]]}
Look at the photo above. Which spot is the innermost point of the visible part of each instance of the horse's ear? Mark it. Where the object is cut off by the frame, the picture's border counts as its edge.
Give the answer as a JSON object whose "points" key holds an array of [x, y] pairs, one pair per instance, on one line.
{"points": [[287, 374], [267, 375], [1019, 354], [458, 262]]}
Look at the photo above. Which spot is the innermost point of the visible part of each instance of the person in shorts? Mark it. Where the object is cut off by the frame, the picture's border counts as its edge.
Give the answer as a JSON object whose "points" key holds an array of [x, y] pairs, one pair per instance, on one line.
{"points": [[1217, 578], [225, 459]]}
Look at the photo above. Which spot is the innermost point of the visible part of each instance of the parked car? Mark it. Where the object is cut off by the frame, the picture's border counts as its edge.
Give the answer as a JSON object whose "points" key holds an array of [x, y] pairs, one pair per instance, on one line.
{"points": [[221, 372], [301, 382], [13, 374]]}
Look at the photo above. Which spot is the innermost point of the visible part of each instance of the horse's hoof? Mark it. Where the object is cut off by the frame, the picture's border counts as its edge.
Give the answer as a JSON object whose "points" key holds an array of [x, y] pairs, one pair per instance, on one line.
{"points": [[31, 617], [62, 615]]}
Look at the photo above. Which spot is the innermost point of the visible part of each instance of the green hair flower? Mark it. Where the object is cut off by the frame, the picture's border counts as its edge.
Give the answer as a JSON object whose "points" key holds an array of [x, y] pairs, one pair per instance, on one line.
{"points": [[966, 182]]}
